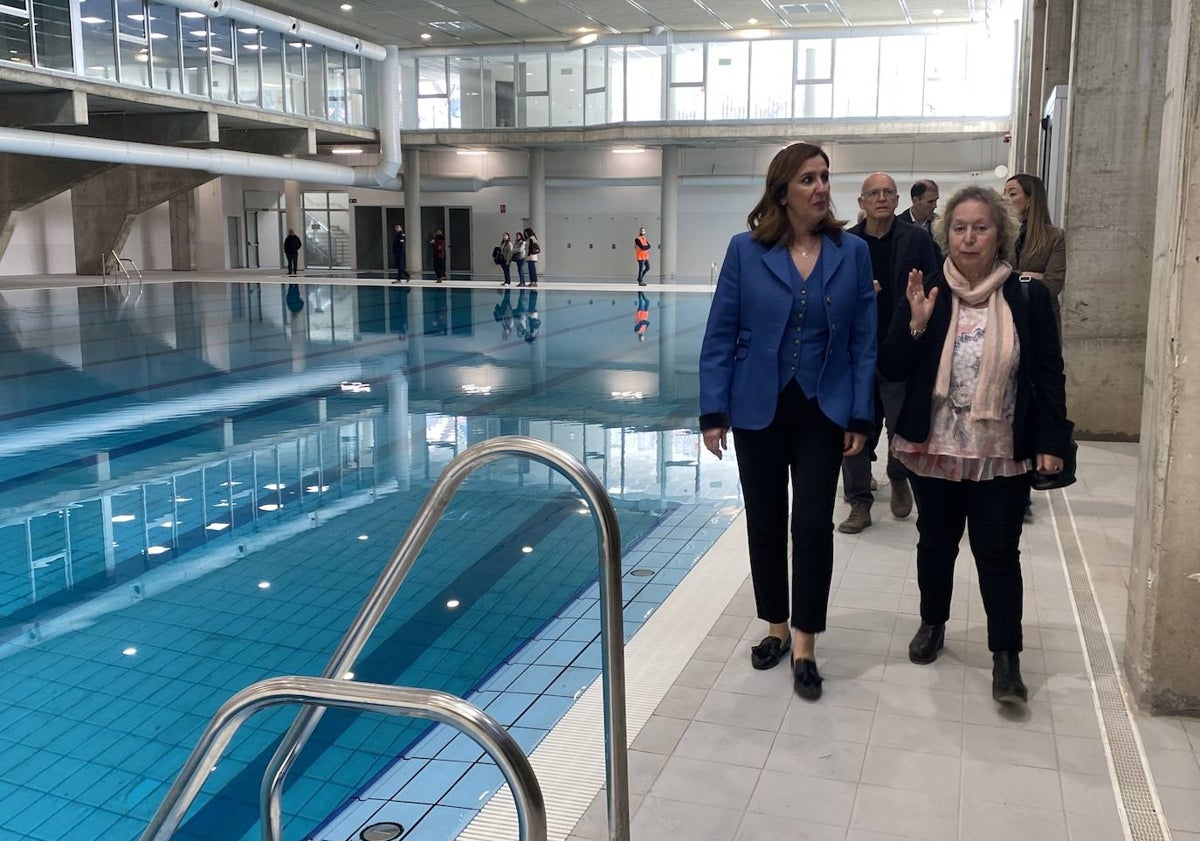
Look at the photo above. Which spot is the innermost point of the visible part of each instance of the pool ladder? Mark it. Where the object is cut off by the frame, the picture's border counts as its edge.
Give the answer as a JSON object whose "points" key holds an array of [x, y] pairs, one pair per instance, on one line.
{"points": [[315, 694]]}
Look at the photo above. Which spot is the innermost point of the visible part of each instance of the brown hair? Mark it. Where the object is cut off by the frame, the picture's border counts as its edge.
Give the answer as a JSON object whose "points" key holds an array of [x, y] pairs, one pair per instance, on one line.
{"points": [[1002, 213], [1037, 216], [768, 220]]}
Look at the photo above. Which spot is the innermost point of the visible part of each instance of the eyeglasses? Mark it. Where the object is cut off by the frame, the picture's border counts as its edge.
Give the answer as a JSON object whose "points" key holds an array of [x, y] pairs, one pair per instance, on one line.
{"points": [[875, 194]]}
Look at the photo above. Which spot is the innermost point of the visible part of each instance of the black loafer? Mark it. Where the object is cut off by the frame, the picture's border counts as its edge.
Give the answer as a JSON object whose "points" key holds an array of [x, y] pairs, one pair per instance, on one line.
{"points": [[926, 643], [769, 652], [1007, 686], [806, 680]]}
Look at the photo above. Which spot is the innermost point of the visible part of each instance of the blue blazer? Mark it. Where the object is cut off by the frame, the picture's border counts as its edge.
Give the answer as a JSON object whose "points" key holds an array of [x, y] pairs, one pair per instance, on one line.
{"points": [[751, 309]]}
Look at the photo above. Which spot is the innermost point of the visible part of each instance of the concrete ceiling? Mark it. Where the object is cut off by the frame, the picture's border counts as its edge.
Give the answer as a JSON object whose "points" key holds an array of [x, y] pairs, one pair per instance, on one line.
{"points": [[464, 23]]}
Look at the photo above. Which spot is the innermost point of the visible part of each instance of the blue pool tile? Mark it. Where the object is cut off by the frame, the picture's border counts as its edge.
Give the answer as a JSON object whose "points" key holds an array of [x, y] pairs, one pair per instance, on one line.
{"points": [[431, 785], [531, 652], [561, 653], [462, 748], [535, 679], [572, 681], [441, 823], [432, 743], [475, 788], [394, 778], [352, 819], [508, 707], [503, 677], [408, 815], [545, 712], [584, 629]]}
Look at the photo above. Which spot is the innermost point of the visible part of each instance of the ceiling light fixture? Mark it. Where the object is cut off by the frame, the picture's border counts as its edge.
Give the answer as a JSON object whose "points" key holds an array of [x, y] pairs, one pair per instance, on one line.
{"points": [[753, 33], [346, 150], [582, 29], [584, 40], [471, 153], [191, 14], [752, 21], [345, 7], [628, 150], [425, 36]]}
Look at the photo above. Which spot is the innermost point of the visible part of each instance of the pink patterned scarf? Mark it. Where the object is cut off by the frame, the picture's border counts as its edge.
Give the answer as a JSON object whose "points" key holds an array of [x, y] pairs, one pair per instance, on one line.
{"points": [[998, 343]]}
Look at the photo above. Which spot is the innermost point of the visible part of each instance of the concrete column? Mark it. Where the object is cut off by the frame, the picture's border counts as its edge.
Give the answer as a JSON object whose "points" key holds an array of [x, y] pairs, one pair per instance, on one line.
{"points": [[293, 205], [668, 255], [1029, 118], [28, 180], [1113, 133], [411, 161], [183, 232], [537, 197], [1162, 660], [104, 207]]}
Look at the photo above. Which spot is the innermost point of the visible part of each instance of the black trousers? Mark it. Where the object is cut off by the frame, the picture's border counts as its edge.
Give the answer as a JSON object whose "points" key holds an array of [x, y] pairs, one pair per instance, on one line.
{"points": [[803, 444], [292, 260], [992, 513]]}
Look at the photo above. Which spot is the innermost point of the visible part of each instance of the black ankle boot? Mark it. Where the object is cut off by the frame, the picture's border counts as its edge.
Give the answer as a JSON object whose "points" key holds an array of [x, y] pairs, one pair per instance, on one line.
{"points": [[1007, 686], [926, 643]]}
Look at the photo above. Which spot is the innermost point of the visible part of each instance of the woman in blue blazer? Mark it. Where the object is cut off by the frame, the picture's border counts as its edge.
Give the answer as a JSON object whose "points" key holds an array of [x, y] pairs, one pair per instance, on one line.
{"points": [[788, 363]]}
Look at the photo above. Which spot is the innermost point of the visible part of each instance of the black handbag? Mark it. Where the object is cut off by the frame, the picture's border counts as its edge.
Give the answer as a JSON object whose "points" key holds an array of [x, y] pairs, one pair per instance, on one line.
{"points": [[1049, 481]]}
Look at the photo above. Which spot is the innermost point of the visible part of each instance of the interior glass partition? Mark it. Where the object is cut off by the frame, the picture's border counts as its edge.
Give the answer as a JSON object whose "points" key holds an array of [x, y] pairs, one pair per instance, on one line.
{"points": [[195, 53], [99, 53], [566, 88], [728, 84], [644, 75], [14, 32], [595, 85], [220, 52], [533, 104], [249, 66], [164, 47], [133, 43], [772, 65], [52, 34]]}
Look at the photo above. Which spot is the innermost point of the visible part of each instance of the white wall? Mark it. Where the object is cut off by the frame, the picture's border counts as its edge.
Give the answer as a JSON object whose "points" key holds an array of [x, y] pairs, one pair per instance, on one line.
{"points": [[43, 241]]}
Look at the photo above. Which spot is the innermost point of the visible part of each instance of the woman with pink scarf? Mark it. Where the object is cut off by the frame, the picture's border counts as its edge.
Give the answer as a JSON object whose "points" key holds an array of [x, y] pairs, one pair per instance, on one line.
{"points": [[986, 404]]}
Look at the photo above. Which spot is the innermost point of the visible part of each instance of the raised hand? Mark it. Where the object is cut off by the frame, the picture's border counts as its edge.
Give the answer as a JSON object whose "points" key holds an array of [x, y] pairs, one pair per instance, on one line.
{"points": [[919, 303]]}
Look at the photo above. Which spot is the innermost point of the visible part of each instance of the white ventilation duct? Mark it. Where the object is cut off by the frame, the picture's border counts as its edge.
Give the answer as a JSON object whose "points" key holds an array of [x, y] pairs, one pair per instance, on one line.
{"points": [[244, 12], [224, 162]]}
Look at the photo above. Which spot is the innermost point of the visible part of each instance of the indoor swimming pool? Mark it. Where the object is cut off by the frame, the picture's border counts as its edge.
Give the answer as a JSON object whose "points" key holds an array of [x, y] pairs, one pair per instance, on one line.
{"points": [[201, 481]]}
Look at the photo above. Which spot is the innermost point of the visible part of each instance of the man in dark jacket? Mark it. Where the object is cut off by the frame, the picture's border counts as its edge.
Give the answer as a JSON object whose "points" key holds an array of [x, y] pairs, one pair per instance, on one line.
{"points": [[924, 195], [896, 248], [291, 250], [399, 254]]}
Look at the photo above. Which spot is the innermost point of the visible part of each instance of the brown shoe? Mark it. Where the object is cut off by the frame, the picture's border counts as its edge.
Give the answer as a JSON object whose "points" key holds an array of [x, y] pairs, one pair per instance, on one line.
{"points": [[902, 499], [859, 519]]}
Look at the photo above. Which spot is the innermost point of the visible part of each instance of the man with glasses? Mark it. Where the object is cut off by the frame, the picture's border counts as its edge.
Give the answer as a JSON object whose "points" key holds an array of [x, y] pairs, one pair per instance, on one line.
{"points": [[896, 247], [924, 195]]}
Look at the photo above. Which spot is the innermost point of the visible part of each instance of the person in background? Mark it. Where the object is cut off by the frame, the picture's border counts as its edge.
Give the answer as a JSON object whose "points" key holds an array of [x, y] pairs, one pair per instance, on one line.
{"points": [[641, 252], [504, 257], [896, 248], [291, 250], [399, 254], [788, 362], [641, 316], [518, 255], [437, 250], [1041, 249], [922, 211], [986, 403], [533, 250]]}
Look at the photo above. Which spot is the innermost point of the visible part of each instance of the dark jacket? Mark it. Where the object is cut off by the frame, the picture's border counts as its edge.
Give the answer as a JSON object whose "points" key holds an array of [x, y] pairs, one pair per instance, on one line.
{"points": [[398, 243], [751, 309], [291, 244], [1039, 425], [913, 248]]}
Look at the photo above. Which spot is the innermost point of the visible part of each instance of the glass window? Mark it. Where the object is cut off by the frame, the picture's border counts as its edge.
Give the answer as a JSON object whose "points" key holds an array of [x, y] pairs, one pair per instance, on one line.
{"points": [[499, 92], [249, 74], [14, 32], [98, 57], [687, 64], [195, 53], [354, 90], [814, 100], [533, 72], [220, 51], [335, 86], [644, 69], [901, 75], [537, 111], [272, 71], [991, 56], [856, 77], [52, 30], [814, 60], [314, 69], [728, 80], [566, 88], [770, 74], [295, 90], [164, 48], [595, 79], [945, 76], [433, 105], [685, 103], [616, 84]]}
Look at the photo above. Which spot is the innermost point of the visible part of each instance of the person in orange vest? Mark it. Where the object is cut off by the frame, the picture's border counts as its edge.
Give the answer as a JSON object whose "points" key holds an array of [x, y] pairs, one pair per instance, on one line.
{"points": [[641, 250], [641, 316]]}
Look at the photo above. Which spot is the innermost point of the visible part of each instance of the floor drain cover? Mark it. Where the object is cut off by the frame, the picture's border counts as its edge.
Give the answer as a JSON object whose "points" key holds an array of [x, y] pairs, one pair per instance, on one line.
{"points": [[641, 572], [382, 832]]}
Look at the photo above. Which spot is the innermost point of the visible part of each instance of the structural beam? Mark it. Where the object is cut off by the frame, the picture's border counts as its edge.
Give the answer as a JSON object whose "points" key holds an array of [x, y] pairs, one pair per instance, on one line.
{"points": [[54, 108], [164, 128], [271, 141]]}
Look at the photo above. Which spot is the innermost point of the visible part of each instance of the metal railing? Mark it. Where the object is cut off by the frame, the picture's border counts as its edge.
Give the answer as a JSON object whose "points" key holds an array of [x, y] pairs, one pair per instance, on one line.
{"points": [[111, 263], [406, 552], [322, 692]]}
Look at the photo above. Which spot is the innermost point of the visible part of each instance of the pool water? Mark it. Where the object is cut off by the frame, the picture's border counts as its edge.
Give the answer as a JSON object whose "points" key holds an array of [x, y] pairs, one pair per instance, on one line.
{"points": [[199, 488]]}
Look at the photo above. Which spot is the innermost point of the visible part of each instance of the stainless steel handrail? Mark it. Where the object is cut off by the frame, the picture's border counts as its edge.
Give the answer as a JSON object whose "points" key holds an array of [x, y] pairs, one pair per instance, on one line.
{"points": [[392, 700], [611, 622]]}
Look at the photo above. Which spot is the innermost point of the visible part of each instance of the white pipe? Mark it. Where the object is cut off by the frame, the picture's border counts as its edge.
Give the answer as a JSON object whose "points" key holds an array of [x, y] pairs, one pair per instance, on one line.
{"points": [[245, 12], [224, 162]]}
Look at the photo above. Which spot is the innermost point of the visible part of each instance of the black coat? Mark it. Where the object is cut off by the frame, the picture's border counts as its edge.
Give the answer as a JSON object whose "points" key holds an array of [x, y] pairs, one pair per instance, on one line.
{"points": [[913, 248], [1040, 424]]}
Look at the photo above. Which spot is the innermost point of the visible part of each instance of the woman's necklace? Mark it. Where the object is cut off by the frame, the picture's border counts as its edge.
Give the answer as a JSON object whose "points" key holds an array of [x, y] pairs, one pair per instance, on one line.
{"points": [[805, 252]]}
